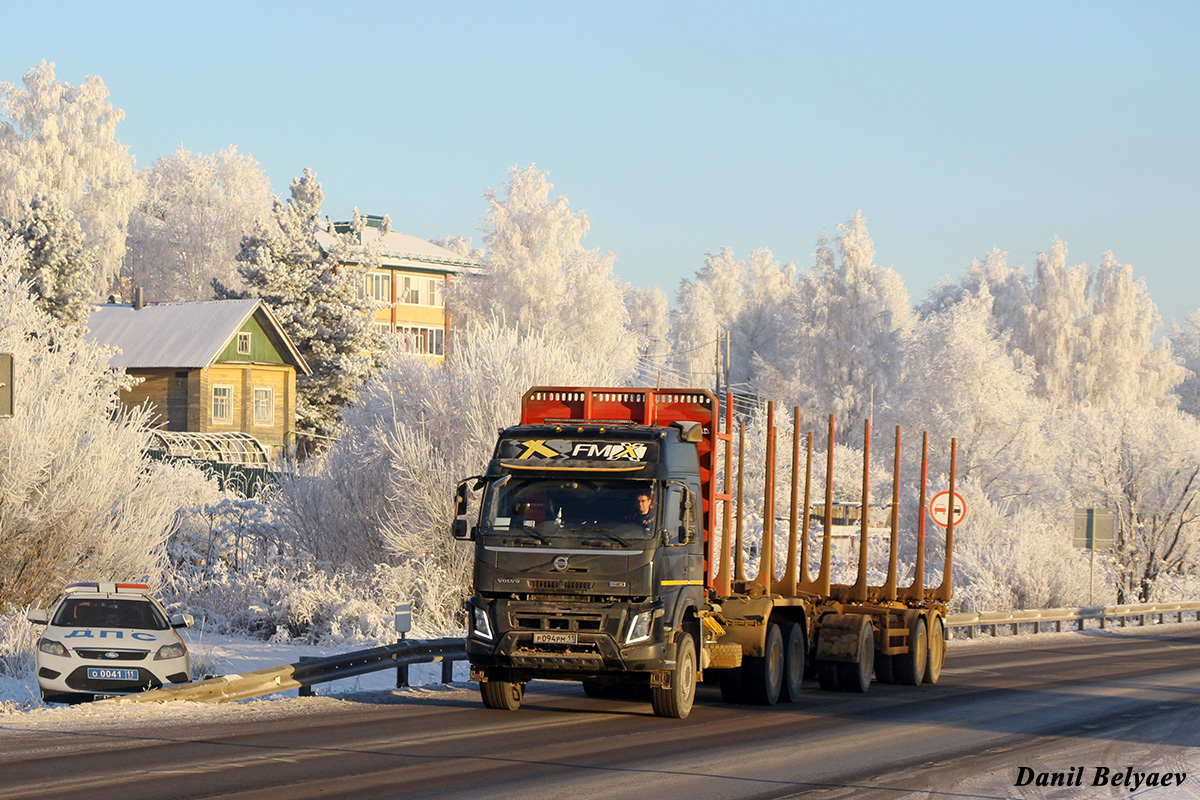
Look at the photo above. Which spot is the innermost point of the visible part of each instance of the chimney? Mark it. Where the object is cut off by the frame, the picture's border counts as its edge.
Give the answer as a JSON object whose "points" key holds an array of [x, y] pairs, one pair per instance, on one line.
{"points": [[139, 299]]}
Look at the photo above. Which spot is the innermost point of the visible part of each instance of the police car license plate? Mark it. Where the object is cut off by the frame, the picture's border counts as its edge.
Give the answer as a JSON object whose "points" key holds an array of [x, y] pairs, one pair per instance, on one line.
{"points": [[556, 638], [108, 674]]}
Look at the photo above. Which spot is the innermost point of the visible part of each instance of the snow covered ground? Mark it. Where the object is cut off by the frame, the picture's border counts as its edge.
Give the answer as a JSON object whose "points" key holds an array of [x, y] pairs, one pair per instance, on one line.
{"points": [[224, 655], [22, 709]]}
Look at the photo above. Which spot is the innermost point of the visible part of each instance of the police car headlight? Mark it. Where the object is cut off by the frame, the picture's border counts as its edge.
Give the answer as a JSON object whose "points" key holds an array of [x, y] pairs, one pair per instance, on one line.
{"points": [[53, 648], [639, 629], [480, 625], [170, 651]]}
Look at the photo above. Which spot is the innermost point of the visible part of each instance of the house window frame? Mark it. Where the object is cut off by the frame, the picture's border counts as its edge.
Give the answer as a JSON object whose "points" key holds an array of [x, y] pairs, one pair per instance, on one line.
{"points": [[243, 343], [219, 389], [269, 418], [378, 286]]}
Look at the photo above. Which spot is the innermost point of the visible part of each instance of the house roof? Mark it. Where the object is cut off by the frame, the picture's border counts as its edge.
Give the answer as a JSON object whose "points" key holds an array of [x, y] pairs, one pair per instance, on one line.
{"points": [[404, 248], [184, 335]]}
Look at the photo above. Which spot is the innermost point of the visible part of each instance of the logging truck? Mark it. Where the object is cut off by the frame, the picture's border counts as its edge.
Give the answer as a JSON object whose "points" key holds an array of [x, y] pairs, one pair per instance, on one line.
{"points": [[610, 549]]}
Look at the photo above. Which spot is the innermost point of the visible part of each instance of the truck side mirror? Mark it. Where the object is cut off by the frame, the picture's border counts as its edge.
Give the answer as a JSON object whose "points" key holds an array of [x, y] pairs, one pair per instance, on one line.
{"points": [[38, 616], [460, 499], [460, 528]]}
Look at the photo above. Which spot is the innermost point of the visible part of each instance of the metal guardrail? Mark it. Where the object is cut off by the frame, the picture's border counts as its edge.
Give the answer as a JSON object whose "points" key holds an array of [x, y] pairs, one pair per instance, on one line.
{"points": [[994, 622], [228, 688]]}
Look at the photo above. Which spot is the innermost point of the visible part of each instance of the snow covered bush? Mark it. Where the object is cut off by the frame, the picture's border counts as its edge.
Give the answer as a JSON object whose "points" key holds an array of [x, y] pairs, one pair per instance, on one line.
{"points": [[383, 493], [77, 497]]}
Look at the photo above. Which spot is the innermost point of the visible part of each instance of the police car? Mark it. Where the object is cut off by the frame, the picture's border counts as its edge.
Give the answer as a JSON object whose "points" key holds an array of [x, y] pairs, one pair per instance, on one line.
{"points": [[108, 639]]}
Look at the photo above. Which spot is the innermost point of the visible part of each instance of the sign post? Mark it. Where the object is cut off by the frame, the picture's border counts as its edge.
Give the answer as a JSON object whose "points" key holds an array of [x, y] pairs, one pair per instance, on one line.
{"points": [[403, 626], [1093, 531]]}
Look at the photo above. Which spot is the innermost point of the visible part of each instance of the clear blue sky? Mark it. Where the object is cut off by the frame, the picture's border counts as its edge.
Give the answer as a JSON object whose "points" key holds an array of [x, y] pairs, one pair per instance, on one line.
{"points": [[681, 128]]}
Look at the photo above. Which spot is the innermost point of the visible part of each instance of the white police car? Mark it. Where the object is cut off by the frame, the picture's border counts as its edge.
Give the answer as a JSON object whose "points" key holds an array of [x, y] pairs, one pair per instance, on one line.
{"points": [[108, 639]]}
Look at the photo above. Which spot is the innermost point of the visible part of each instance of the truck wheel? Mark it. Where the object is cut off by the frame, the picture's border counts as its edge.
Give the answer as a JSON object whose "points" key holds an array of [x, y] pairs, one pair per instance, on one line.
{"points": [[937, 652], [731, 686], [856, 677], [828, 676], [676, 702], [762, 676], [910, 667], [502, 695], [793, 662]]}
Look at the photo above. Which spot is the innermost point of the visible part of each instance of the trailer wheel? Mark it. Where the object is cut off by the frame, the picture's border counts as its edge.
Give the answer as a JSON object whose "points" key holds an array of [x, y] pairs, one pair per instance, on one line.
{"points": [[502, 695], [731, 686], [762, 676], [937, 652], [856, 677], [910, 667], [676, 702], [828, 676], [793, 662]]}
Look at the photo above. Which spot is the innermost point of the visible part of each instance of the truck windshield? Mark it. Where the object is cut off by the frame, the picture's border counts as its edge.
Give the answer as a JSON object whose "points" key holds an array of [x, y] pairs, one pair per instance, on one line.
{"points": [[619, 511]]}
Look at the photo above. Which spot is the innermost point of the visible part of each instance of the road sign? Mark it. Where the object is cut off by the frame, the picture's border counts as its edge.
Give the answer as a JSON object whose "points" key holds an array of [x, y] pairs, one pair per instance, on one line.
{"points": [[403, 617], [939, 509], [1094, 528], [6, 384]]}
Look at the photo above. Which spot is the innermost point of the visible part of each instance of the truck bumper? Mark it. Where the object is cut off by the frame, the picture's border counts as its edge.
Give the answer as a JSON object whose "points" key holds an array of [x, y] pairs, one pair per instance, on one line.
{"points": [[597, 631]]}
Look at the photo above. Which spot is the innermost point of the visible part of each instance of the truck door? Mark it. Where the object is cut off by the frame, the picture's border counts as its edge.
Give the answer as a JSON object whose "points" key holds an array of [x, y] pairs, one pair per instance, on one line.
{"points": [[683, 560]]}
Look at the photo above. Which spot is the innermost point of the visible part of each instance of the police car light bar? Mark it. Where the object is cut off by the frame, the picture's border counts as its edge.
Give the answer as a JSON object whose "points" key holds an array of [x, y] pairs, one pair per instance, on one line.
{"points": [[106, 587]]}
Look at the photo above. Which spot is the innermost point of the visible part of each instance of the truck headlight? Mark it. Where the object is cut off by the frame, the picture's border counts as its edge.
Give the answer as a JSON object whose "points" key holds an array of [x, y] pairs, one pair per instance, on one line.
{"points": [[639, 628], [480, 625]]}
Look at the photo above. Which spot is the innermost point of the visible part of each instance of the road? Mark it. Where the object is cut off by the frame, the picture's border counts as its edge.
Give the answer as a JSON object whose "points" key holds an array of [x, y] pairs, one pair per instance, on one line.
{"points": [[1049, 703]]}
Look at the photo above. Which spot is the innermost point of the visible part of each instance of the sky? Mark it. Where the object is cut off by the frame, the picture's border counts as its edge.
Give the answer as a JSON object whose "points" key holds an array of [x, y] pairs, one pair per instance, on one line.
{"points": [[682, 128]]}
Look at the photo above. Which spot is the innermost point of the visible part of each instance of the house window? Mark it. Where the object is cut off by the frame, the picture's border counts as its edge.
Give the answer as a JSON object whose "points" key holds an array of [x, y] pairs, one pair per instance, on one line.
{"points": [[421, 291], [379, 286], [222, 403], [264, 405], [423, 341], [243, 346]]}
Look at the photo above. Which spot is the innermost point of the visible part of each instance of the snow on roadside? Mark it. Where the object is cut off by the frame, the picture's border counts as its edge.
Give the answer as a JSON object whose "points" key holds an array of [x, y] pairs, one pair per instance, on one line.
{"points": [[20, 701]]}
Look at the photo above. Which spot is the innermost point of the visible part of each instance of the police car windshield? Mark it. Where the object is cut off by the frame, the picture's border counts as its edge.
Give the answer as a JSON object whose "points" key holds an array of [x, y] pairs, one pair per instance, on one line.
{"points": [[105, 612], [542, 507]]}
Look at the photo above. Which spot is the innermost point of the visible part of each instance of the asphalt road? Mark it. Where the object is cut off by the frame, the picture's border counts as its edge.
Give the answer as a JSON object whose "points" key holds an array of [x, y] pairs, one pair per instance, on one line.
{"points": [[1053, 704]]}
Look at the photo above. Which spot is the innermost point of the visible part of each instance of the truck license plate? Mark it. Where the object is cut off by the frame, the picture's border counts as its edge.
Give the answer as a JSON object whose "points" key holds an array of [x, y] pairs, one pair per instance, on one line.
{"points": [[556, 638], [108, 674]]}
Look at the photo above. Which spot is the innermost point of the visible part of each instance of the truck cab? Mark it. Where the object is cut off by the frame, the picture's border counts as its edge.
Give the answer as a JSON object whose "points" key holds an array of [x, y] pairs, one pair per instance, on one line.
{"points": [[589, 556]]}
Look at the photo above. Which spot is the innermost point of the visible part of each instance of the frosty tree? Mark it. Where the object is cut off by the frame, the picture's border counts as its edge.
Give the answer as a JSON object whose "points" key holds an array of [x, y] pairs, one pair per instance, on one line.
{"points": [[539, 276], [187, 229], [317, 303], [77, 497], [841, 331], [59, 141], [54, 262], [738, 297], [1185, 340]]}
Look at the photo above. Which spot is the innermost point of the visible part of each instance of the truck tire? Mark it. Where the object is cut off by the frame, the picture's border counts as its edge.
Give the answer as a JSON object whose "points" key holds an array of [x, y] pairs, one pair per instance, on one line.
{"points": [[676, 702], [910, 666], [502, 695], [828, 676], [937, 651], [731, 686], [762, 676], [793, 662], [856, 677]]}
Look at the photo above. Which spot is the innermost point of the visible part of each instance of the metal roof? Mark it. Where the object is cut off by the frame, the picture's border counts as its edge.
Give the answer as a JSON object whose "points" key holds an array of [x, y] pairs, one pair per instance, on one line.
{"points": [[184, 335]]}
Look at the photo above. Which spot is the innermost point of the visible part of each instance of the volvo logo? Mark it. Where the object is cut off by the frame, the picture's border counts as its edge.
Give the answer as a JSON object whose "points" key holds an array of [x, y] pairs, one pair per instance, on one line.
{"points": [[561, 563]]}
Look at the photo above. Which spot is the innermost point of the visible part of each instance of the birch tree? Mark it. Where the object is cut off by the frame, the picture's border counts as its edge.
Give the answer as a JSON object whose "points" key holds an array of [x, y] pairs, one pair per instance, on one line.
{"points": [[59, 141], [187, 229]]}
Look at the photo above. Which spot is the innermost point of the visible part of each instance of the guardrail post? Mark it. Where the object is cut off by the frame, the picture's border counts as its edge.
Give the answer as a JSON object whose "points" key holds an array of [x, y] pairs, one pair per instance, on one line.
{"points": [[305, 690], [447, 671]]}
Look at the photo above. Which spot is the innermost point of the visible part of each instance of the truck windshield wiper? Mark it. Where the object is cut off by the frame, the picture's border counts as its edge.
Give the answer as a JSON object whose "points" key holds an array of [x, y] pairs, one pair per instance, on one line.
{"points": [[607, 534], [531, 532]]}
